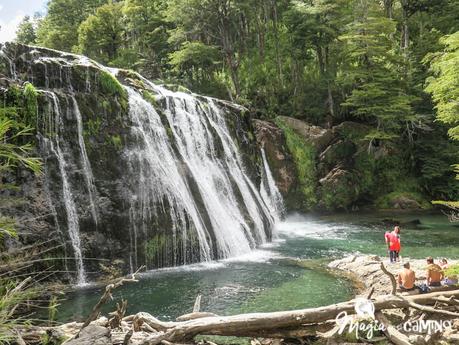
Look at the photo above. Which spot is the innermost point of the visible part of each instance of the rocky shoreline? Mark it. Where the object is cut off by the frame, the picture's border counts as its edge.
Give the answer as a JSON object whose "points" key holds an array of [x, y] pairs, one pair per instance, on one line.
{"points": [[283, 327], [366, 271]]}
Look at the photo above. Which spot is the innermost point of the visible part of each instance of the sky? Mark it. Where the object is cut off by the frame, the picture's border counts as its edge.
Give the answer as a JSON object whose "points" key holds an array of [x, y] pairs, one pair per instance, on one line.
{"points": [[12, 12]]}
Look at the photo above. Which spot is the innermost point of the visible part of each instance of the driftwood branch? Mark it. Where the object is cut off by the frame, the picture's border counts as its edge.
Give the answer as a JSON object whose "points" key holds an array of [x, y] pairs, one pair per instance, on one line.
{"points": [[107, 295], [318, 322], [391, 277], [392, 332], [197, 304]]}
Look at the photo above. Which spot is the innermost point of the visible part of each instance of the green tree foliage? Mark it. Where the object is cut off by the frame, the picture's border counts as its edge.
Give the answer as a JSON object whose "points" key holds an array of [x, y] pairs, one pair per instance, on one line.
{"points": [[444, 84], [444, 87], [324, 61], [147, 32], [374, 72], [59, 29], [101, 34], [26, 31]]}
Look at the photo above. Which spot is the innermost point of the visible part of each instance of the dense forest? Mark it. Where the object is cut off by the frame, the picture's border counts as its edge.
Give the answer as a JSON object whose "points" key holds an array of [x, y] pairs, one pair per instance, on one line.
{"points": [[391, 65], [353, 105]]}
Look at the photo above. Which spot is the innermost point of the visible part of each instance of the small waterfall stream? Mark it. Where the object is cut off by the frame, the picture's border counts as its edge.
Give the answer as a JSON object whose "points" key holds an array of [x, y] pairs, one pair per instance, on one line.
{"points": [[87, 171], [269, 190], [54, 147]]}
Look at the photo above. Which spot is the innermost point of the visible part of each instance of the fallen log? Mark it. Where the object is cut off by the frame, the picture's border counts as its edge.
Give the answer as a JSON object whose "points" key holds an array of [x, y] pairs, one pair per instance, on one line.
{"points": [[270, 323], [391, 332]]}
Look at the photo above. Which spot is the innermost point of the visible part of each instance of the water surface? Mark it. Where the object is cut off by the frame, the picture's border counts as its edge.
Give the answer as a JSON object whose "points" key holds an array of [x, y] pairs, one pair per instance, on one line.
{"points": [[273, 278]]}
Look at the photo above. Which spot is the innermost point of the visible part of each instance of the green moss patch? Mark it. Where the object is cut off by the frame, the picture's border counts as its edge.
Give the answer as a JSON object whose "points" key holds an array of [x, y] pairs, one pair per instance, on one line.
{"points": [[304, 155]]}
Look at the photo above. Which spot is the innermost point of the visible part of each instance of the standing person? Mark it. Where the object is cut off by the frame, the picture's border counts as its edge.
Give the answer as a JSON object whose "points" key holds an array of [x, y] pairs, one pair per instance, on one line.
{"points": [[434, 273], [393, 244]]}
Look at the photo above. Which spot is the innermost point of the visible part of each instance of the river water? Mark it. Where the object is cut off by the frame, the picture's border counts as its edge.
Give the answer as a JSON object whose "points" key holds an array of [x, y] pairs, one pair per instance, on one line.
{"points": [[289, 273]]}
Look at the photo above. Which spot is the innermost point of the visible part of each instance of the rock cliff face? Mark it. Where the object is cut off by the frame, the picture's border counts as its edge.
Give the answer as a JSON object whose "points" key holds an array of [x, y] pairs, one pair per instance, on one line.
{"points": [[132, 170], [323, 169]]}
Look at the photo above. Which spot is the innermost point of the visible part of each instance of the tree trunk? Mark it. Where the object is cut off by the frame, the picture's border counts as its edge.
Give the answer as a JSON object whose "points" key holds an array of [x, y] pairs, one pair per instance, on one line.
{"points": [[269, 324]]}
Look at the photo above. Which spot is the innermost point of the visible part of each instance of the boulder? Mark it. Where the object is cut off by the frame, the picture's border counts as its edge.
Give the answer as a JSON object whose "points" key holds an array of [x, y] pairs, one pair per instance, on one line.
{"points": [[351, 130], [338, 189], [92, 335], [338, 153], [402, 201], [317, 136]]}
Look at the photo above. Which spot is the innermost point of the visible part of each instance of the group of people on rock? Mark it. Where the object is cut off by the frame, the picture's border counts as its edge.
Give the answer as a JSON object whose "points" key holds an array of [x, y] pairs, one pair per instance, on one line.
{"points": [[435, 274]]}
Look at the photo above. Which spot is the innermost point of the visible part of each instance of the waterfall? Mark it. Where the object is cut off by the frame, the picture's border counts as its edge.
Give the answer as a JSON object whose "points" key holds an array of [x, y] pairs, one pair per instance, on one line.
{"points": [[219, 179], [160, 181], [11, 64], [87, 171], [172, 184], [70, 207], [269, 190]]}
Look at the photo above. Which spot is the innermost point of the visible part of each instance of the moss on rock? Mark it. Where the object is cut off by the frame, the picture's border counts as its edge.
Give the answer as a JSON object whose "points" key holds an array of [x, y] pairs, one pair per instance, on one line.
{"points": [[304, 155]]}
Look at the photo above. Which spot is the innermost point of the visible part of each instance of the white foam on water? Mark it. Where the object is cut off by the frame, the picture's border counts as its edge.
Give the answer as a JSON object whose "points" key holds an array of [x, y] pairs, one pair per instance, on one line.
{"points": [[297, 225]]}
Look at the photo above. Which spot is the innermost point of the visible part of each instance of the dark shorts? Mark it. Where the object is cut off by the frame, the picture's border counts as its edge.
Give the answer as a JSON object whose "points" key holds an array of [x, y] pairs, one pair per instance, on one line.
{"points": [[435, 284], [401, 287]]}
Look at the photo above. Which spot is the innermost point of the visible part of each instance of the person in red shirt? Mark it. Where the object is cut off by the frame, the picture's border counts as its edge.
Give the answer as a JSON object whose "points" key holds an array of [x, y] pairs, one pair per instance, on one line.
{"points": [[393, 244]]}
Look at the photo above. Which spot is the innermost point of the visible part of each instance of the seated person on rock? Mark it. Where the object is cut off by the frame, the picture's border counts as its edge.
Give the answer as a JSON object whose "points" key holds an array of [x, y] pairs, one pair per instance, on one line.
{"points": [[450, 279], [406, 278], [434, 273], [444, 264]]}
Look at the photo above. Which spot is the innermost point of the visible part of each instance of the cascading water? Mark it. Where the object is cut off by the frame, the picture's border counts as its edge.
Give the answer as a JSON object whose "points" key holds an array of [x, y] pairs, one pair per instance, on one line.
{"points": [[192, 122], [269, 190], [87, 171], [160, 180], [54, 147]]}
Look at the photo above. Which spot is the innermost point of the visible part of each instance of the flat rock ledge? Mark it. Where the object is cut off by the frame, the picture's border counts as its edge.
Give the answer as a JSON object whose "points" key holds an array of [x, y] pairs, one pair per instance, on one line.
{"points": [[366, 270]]}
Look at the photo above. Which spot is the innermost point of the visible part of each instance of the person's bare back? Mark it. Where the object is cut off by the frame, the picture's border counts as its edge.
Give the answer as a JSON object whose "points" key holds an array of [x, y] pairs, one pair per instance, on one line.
{"points": [[434, 273], [406, 277]]}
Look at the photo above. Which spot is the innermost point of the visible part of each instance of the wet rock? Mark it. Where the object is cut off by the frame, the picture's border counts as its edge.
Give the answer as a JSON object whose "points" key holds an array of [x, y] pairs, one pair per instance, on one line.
{"points": [[404, 202], [339, 152]]}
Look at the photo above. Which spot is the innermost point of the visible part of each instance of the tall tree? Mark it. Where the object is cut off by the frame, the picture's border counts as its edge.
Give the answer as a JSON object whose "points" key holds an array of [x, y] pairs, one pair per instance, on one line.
{"points": [[444, 87], [100, 36], [214, 22], [26, 32], [147, 35], [373, 76], [59, 29]]}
